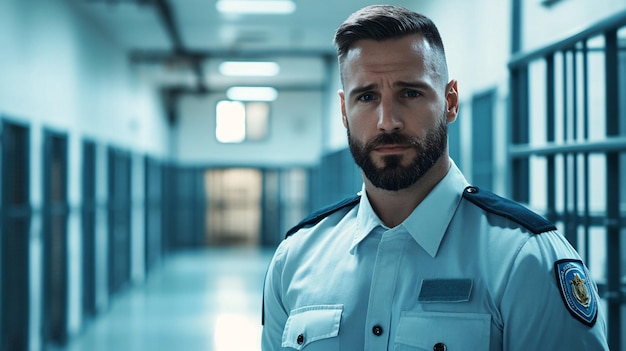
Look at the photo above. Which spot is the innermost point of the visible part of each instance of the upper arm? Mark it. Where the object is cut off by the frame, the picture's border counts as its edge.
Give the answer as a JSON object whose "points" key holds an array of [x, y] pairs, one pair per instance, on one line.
{"points": [[535, 315], [274, 312]]}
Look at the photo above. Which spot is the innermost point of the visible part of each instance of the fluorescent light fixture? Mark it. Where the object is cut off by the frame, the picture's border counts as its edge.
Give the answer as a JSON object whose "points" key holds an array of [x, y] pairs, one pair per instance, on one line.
{"points": [[255, 7], [249, 69], [251, 94]]}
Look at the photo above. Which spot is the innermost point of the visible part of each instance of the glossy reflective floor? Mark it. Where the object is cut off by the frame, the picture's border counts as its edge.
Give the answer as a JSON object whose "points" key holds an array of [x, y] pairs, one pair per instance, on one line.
{"points": [[207, 300]]}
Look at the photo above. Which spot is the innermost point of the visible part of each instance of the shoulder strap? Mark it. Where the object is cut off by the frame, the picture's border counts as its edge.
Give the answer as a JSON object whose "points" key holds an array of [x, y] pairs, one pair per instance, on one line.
{"points": [[320, 214], [519, 214]]}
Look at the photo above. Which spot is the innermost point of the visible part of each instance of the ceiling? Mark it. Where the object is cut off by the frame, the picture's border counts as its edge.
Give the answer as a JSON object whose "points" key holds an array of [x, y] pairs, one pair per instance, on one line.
{"points": [[180, 43]]}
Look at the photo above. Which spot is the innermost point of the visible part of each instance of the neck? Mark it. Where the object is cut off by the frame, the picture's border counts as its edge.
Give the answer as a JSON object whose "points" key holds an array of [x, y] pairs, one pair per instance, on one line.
{"points": [[393, 207]]}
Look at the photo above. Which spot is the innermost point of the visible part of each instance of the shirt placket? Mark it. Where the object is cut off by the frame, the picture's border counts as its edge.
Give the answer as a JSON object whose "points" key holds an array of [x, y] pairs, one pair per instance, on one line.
{"points": [[382, 290]]}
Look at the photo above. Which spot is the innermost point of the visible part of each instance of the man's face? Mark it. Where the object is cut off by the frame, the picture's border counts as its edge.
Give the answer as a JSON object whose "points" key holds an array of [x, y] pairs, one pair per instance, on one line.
{"points": [[395, 109]]}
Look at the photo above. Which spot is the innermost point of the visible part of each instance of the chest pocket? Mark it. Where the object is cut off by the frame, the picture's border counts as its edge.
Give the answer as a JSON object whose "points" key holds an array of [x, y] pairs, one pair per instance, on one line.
{"points": [[443, 331], [313, 324]]}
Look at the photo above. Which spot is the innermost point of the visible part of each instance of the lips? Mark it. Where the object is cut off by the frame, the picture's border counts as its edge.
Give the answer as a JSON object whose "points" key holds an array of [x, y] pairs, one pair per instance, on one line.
{"points": [[393, 143], [391, 148]]}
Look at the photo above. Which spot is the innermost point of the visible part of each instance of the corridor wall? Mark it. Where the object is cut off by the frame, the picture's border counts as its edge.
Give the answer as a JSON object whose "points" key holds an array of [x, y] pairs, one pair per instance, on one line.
{"points": [[62, 73]]}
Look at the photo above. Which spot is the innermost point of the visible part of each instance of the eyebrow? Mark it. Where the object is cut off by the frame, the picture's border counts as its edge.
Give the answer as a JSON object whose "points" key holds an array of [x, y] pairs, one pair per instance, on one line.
{"points": [[400, 84], [417, 84], [363, 89]]}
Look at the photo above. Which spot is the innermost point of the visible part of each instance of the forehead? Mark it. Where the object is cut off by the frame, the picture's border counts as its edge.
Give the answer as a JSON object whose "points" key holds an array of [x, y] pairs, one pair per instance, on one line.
{"points": [[410, 55]]}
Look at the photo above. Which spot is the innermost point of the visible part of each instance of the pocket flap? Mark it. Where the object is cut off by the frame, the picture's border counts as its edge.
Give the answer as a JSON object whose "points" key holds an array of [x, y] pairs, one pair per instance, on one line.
{"points": [[311, 323], [458, 331]]}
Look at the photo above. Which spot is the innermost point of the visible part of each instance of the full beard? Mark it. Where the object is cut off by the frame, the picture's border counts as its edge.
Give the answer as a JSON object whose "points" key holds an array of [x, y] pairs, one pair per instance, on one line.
{"points": [[393, 175]]}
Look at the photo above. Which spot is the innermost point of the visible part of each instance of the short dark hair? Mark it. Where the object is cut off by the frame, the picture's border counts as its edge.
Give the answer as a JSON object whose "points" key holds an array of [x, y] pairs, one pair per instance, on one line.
{"points": [[382, 22]]}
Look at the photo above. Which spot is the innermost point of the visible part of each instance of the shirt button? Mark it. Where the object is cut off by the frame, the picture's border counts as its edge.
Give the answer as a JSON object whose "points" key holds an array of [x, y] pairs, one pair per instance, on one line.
{"points": [[377, 330], [439, 347], [300, 339]]}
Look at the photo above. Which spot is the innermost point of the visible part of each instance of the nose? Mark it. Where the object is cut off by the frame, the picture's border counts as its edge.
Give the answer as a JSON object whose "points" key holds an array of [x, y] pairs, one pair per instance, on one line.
{"points": [[388, 119]]}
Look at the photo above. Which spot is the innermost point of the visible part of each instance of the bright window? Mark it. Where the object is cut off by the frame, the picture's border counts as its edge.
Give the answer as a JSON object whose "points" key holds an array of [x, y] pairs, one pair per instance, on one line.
{"points": [[238, 121]]}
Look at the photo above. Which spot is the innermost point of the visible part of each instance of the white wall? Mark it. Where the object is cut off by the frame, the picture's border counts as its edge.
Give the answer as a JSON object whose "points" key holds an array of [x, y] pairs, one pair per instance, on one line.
{"points": [[58, 71], [335, 137], [294, 134], [61, 71], [544, 25]]}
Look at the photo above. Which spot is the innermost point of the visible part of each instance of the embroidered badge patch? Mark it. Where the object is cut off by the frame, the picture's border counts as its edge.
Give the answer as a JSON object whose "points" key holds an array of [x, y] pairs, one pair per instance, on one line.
{"points": [[573, 281]]}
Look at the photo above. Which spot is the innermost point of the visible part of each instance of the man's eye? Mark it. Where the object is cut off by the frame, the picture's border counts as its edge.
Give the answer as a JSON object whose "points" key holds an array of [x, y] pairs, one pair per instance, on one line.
{"points": [[412, 94], [366, 97]]}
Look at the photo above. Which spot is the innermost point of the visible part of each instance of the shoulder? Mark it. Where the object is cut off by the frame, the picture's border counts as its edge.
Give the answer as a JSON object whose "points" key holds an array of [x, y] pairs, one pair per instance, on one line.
{"points": [[322, 213], [509, 209]]}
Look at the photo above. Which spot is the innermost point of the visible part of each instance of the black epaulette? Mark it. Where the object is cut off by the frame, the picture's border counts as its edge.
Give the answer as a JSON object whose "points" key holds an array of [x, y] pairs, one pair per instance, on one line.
{"points": [[519, 214], [320, 214]]}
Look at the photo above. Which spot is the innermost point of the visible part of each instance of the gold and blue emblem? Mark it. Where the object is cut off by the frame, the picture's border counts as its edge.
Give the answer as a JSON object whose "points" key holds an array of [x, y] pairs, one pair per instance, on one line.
{"points": [[576, 290]]}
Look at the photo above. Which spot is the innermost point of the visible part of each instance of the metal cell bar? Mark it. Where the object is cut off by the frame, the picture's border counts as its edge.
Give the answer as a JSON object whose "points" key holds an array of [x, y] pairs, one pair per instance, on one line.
{"points": [[598, 219], [519, 133], [569, 232], [585, 126], [610, 144], [575, 176], [612, 191], [550, 136]]}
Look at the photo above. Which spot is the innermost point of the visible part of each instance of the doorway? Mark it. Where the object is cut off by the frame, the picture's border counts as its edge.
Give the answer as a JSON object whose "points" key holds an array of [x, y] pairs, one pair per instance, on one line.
{"points": [[119, 206], [55, 212], [88, 225], [234, 206], [14, 237]]}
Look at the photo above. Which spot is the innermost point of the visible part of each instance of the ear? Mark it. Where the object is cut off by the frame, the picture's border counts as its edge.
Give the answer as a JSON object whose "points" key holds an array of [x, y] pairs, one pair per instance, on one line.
{"points": [[342, 99], [452, 101]]}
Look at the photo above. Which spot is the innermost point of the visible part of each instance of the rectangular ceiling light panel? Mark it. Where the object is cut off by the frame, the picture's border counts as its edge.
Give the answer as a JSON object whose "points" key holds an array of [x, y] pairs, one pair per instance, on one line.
{"points": [[255, 7], [252, 94], [249, 69]]}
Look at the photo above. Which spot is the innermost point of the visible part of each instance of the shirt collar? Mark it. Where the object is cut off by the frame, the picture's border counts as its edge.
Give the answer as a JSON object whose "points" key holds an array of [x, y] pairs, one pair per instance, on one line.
{"points": [[428, 222]]}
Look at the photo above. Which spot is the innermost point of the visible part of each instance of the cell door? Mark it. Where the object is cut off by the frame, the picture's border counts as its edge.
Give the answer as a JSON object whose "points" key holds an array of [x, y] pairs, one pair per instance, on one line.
{"points": [[55, 212], [153, 206], [14, 237], [119, 168], [89, 228]]}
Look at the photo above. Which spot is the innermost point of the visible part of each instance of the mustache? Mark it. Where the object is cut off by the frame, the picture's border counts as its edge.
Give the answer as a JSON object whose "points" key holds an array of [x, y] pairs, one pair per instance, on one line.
{"points": [[393, 138]]}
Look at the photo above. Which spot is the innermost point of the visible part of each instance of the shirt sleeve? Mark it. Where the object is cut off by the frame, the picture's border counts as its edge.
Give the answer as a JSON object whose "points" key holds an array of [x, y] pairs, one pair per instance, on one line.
{"points": [[535, 317], [274, 312]]}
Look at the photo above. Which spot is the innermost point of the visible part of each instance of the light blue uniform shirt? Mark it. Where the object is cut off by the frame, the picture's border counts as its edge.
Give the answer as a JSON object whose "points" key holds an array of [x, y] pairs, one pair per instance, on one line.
{"points": [[450, 277]]}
